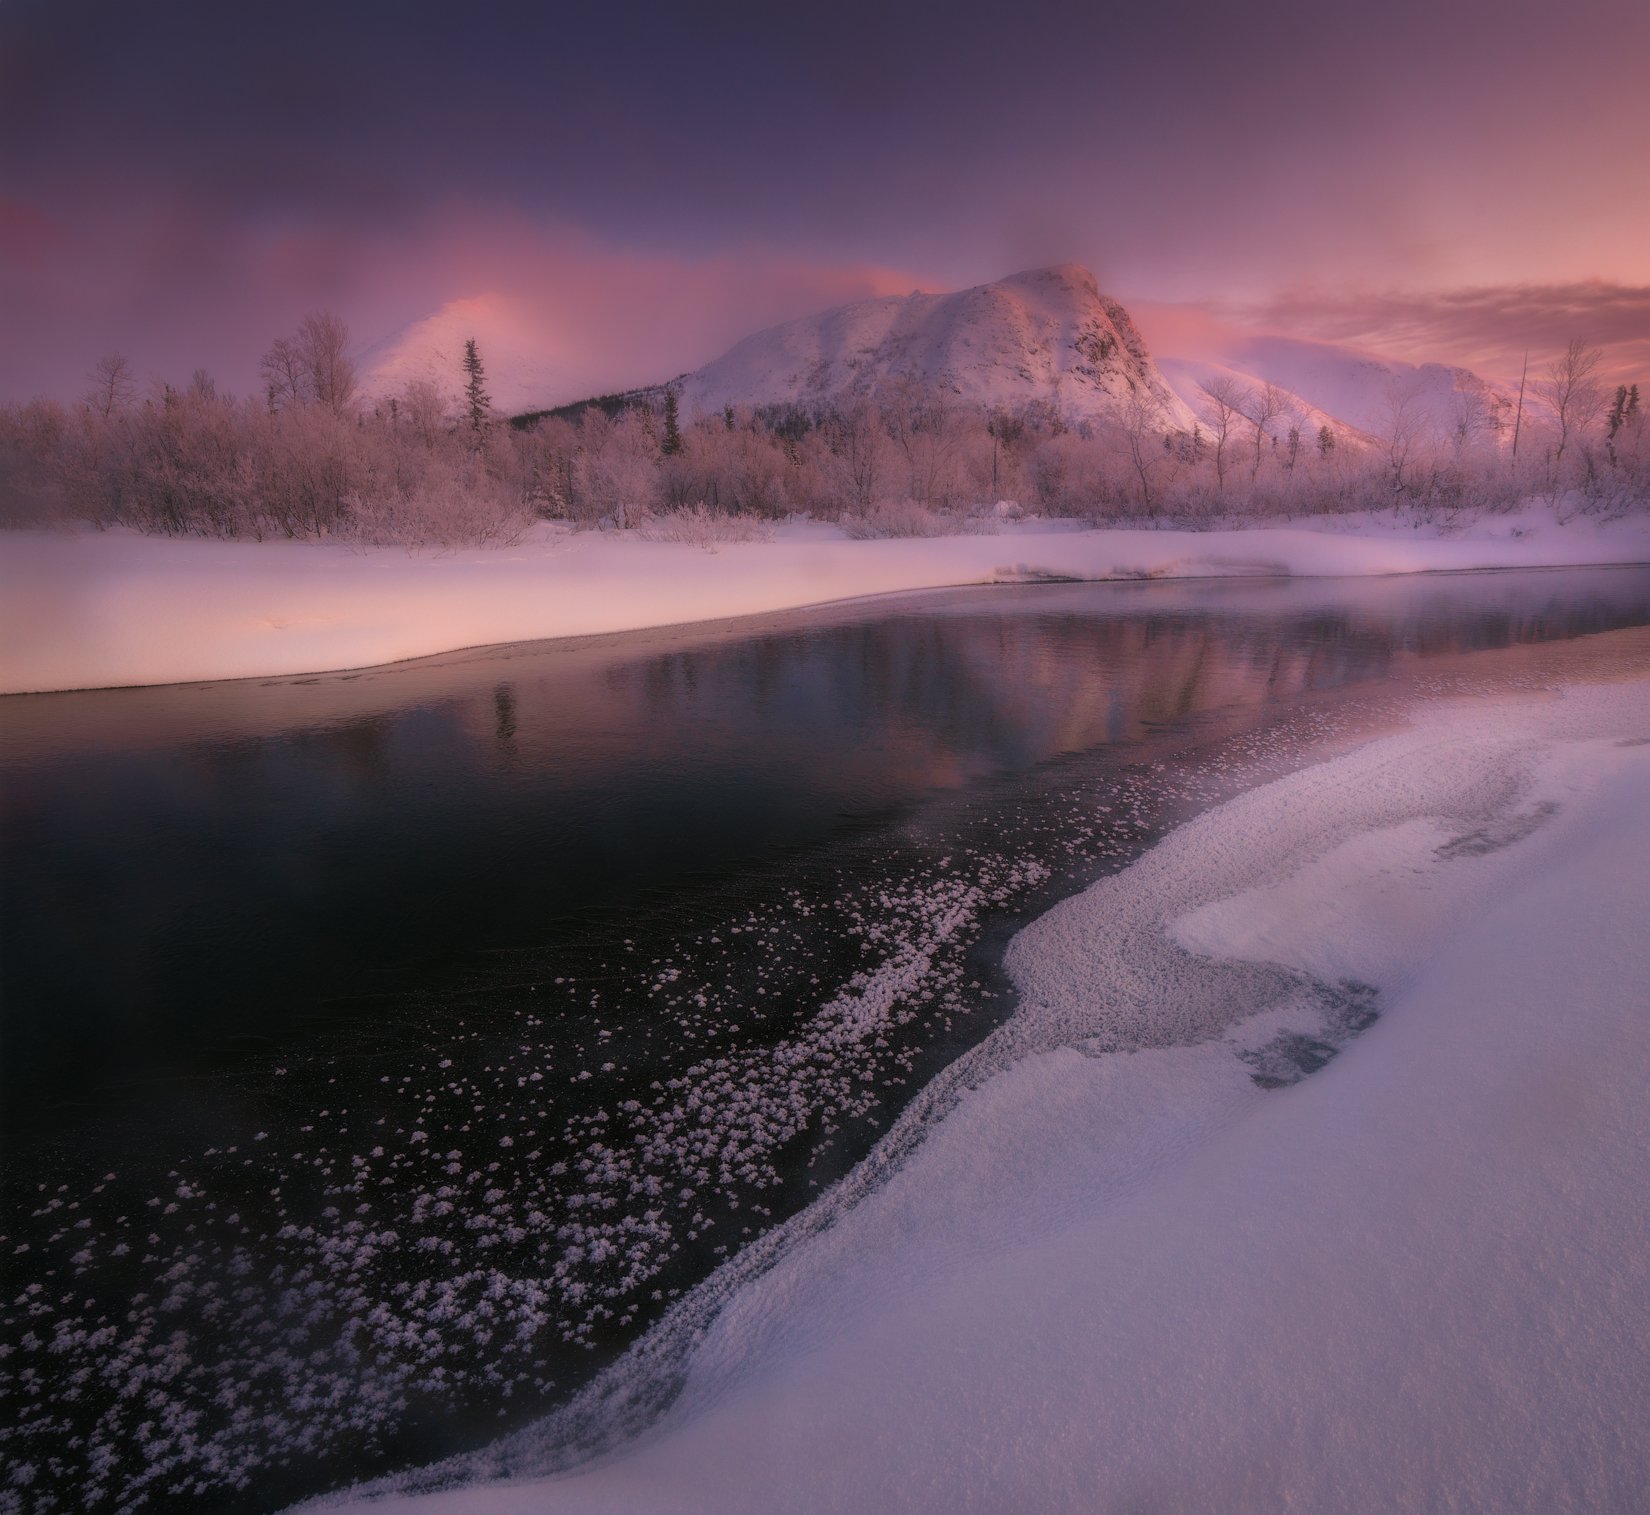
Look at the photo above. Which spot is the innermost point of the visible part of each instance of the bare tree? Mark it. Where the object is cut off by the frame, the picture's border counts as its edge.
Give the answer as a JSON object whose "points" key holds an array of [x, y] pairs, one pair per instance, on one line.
{"points": [[927, 430], [1144, 437], [1572, 393], [323, 349], [1264, 408], [426, 410], [113, 385], [283, 373], [859, 448], [1223, 410], [1403, 426]]}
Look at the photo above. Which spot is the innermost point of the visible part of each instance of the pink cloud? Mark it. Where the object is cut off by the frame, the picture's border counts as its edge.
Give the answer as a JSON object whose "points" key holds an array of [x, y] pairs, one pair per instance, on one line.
{"points": [[1488, 328], [176, 288]]}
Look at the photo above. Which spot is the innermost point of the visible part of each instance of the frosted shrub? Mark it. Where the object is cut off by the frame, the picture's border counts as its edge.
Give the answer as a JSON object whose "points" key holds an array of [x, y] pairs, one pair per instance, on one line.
{"points": [[439, 511], [906, 518], [704, 526], [742, 471], [617, 468]]}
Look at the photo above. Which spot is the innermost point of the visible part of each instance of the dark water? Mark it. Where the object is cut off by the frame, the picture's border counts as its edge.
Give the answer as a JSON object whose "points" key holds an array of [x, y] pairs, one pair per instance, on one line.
{"points": [[383, 1051]]}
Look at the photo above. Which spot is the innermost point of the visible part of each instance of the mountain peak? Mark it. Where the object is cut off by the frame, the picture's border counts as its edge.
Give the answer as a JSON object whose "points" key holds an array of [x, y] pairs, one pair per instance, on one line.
{"points": [[1044, 335], [1071, 276]]}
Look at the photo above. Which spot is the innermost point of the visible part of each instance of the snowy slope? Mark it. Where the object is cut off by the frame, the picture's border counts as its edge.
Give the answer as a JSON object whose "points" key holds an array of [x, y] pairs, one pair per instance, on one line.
{"points": [[1187, 376], [527, 357], [1046, 335], [1346, 387]]}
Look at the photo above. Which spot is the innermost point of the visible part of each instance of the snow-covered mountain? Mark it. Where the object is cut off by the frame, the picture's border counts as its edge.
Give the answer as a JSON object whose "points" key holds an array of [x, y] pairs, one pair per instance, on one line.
{"points": [[1347, 388], [1047, 335]]}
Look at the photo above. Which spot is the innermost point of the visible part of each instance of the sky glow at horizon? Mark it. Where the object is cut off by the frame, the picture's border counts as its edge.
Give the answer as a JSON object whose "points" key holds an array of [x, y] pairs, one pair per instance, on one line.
{"points": [[1452, 181]]}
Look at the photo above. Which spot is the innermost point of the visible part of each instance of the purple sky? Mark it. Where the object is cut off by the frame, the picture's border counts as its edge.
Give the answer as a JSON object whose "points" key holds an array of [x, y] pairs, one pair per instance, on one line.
{"points": [[185, 181]]}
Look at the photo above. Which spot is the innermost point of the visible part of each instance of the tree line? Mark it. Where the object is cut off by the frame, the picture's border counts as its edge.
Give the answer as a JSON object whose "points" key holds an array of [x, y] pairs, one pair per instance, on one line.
{"points": [[310, 457]]}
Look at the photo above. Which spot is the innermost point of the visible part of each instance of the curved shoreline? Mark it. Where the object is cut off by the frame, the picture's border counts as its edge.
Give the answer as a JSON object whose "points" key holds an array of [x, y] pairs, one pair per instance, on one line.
{"points": [[119, 610], [798, 1357]]}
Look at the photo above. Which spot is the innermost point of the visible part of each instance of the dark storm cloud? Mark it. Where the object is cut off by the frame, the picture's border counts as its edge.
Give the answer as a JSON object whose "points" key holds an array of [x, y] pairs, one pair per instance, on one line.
{"points": [[184, 175]]}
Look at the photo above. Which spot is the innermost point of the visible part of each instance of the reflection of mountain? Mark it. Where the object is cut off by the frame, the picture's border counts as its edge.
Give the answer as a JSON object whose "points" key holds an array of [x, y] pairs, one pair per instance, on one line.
{"points": [[629, 896], [422, 809]]}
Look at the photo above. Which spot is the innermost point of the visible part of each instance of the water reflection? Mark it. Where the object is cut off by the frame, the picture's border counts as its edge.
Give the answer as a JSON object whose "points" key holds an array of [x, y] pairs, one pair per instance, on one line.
{"points": [[466, 1012], [191, 866]]}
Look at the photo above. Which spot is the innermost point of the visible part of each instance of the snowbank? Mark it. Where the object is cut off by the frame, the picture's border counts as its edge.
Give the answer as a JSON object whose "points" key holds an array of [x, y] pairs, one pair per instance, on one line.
{"points": [[118, 608], [1144, 1263]]}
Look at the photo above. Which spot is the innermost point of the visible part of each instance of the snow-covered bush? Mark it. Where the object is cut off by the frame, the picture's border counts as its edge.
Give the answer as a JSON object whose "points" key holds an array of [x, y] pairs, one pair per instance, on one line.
{"points": [[906, 518], [704, 526]]}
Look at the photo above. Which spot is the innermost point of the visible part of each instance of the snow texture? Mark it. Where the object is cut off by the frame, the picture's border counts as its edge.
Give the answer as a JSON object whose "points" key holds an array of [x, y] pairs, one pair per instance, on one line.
{"points": [[1345, 387], [118, 608], [1048, 334], [1129, 1268]]}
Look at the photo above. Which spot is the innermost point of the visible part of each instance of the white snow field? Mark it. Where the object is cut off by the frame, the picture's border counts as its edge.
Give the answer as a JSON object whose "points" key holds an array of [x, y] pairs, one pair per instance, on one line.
{"points": [[1146, 1280], [103, 609]]}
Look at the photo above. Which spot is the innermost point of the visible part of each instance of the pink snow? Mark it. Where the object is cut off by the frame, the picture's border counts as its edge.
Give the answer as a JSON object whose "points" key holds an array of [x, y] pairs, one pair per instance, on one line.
{"points": [[116, 608]]}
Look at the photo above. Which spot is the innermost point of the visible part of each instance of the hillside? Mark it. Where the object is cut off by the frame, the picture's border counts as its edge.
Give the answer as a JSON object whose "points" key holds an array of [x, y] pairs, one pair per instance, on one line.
{"points": [[1345, 387], [1047, 335]]}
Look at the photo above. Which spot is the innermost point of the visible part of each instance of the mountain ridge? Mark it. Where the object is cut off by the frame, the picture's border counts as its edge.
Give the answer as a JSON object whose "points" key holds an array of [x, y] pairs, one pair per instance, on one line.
{"points": [[1047, 336]]}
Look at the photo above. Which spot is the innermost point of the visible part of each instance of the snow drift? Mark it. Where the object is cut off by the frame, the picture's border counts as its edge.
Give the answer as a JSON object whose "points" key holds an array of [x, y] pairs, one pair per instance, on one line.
{"points": [[1141, 1265]]}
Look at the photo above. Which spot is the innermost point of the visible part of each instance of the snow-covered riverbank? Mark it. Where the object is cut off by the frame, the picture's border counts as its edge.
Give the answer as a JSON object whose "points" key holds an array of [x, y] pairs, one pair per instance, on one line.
{"points": [[1184, 1276], [110, 609]]}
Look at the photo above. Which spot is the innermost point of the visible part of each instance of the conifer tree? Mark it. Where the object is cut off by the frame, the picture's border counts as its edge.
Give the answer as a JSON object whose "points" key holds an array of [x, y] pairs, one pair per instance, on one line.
{"points": [[673, 430], [476, 398]]}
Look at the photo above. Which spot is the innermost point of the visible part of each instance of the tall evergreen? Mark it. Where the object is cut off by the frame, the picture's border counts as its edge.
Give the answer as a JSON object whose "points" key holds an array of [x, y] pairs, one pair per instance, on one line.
{"points": [[477, 399], [673, 429], [1618, 411]]}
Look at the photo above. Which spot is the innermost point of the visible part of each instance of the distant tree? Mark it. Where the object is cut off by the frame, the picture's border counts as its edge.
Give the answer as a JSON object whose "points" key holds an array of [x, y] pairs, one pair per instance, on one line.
{"points": [[1264, 407], [113, 385], [859, 451], [1404, 426], [283, 375], [1326, 440], [1223, 408], [1571, 392], [477, 401], [323, 351], [673, 429], [425, 407], [1623, 407], [1141, 423], [727, 417], [312, 365]]}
